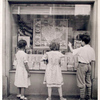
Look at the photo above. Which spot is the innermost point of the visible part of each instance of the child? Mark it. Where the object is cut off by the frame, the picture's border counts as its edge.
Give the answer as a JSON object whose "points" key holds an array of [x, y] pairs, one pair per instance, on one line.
{"points": [[86, 57], [53, 75], [22, 75]]}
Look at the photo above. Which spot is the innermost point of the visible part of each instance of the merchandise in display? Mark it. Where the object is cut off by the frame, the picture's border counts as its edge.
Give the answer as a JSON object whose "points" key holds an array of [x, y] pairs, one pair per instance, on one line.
{"points": [[51, 29], [69, 62]]}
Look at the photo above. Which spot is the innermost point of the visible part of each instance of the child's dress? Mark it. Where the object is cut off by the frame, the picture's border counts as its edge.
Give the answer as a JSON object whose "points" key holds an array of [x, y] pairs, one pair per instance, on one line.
{"points": [[53, 75], [21, 75]]}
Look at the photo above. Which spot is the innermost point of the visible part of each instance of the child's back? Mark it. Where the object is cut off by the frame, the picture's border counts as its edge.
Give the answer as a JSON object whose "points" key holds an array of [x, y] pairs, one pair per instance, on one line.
{"points": [[54, 57], [21, 56], [21, 76], [53, 75]]}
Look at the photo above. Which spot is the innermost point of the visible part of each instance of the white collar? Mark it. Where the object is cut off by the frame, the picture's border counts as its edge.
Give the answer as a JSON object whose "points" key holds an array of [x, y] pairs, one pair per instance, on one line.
{"points": [[87, 45]]}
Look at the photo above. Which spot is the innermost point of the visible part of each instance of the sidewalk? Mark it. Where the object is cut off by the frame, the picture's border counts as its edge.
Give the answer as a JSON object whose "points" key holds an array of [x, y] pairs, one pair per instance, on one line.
{"points": [[13, 97]]}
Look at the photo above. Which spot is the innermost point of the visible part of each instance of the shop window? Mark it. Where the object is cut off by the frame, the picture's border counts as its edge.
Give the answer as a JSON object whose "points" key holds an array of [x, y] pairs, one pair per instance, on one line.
{"points": [[39, 24]]}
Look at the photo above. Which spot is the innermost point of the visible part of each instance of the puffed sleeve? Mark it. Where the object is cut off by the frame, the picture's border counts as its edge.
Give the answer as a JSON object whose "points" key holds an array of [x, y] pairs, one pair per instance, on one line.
{"points": [[25, 59], [15, 61]]}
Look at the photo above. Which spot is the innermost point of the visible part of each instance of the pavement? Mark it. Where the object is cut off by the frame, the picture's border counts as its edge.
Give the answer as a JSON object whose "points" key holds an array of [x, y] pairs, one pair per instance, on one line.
{"points": [[40, 97]]}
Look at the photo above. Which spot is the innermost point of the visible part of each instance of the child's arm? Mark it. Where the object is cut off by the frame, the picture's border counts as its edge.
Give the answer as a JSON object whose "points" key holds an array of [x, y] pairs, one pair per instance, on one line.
{"points": [[45, 62], [27, 69], [45, 59], [15, 62], [70, 47], [61, 61]]}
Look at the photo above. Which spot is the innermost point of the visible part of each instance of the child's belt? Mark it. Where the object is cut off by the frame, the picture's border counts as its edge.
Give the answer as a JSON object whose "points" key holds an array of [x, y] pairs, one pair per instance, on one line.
{"points": [[83, 63]]}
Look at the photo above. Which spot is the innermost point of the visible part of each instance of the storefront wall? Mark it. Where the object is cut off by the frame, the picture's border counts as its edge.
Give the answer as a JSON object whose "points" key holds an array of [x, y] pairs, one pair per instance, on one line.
{"points": [[37, 87], [94, 44], [6, 47]]}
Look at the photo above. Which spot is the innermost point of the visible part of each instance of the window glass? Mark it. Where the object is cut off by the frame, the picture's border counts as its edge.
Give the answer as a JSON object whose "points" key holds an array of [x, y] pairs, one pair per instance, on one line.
{"points": [[39, 24]]}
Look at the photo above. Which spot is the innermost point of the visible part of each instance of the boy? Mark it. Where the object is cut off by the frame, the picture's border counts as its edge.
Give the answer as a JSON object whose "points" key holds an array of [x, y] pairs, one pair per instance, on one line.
{"points": [[86, 57]]}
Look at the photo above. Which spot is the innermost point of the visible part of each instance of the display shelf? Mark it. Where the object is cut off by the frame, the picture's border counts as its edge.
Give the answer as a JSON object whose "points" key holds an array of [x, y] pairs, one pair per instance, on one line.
{"points": [[42, 72]]}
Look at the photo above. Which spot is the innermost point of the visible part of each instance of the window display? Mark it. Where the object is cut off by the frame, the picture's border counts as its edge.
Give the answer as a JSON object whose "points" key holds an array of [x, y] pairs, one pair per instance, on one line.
{"points": [[50, 29], [68, 63], [39, 28]]}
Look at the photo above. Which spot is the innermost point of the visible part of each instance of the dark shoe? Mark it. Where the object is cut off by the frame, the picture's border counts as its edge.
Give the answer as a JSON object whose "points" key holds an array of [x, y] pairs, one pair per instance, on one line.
{"points": [[88, 98], [81, 99]]}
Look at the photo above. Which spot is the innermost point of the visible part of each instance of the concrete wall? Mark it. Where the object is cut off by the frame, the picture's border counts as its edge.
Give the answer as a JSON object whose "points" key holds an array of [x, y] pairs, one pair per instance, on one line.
{"points": [[4, 86], [6, 47], [94, 43]]}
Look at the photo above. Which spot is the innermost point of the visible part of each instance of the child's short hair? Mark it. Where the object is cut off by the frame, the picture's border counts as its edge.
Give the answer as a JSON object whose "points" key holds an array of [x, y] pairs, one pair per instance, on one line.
{"points": [[79, 37], [86, 38], [54, 46], [22, 44]]}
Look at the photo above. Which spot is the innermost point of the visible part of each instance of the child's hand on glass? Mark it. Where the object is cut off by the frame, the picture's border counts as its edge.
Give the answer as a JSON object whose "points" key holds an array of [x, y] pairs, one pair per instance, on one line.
{"points": [[69, 44]]}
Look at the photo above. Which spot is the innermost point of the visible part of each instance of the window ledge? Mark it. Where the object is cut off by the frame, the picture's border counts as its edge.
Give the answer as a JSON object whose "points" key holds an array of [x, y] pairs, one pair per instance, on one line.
{"points": [[42, 72]]}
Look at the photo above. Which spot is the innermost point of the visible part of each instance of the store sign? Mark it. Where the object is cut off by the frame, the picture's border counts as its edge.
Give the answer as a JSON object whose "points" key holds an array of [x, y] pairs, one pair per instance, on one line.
{"points": [[43, 9], [63, 10]]}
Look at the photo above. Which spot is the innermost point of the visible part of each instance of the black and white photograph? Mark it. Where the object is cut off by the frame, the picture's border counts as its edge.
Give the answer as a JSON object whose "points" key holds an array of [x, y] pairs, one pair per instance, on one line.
{"points": [[50, 49]]}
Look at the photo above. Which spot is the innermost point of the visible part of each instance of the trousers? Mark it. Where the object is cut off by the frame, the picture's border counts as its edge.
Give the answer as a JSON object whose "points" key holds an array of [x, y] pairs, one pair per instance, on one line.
{"points": [[83, 78]]}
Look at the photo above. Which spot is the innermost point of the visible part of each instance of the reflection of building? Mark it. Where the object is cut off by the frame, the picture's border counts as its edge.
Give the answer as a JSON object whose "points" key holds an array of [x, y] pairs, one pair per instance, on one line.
{"points": [[19, 19]]}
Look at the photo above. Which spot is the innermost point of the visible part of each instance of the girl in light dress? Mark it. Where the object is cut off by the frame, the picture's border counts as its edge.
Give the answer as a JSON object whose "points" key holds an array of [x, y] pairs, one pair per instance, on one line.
{"points": [[22, 75], [53, 75]]}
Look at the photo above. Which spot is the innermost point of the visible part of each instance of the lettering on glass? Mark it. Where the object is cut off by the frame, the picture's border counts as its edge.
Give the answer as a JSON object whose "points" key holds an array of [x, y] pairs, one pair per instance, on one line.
{"points": [[69, 62]]}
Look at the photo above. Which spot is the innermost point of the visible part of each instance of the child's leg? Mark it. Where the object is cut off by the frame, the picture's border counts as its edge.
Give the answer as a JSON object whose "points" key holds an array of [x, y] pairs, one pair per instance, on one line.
{"points": [[22, 94], [18, 90], [60, 91], [49, 91], [22, 91], [80, 77], [89, 93], [82, 93], [88, 82]]}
